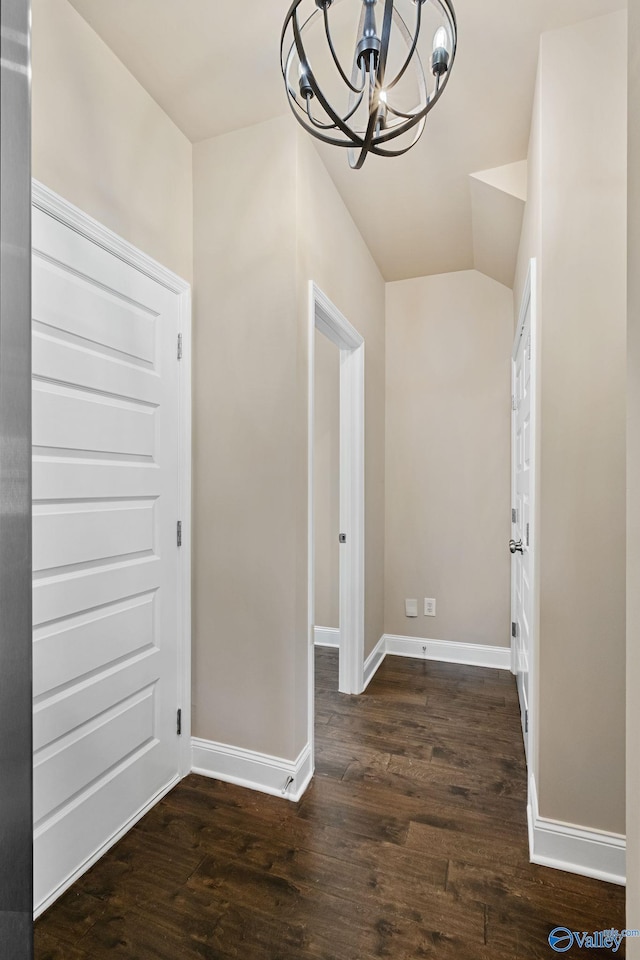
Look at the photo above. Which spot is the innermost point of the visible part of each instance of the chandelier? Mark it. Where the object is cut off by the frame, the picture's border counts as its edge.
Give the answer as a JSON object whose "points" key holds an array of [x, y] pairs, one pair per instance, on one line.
{"points": [[381, 82]]}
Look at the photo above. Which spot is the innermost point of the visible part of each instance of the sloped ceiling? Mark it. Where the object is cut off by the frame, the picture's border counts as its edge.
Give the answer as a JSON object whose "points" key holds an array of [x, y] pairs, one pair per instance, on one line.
{"points": [[498, 199], [213, 67]]}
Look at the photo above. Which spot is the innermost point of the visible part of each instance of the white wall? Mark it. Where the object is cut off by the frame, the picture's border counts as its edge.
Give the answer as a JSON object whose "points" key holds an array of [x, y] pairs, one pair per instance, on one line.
{"points": [[333, 254], [267, 220], [101, 142], [248, 442], [576, 227], [448, 358]]}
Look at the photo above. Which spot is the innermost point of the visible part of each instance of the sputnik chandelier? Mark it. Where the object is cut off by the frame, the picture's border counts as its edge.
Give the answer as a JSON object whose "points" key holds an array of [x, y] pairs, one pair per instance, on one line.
{"points": [[381, 84]]}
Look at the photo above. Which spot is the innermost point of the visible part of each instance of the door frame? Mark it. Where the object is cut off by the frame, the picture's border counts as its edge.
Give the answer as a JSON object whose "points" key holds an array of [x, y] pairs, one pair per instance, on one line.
{"points": [[55, 206], [325, 317], [529, 306]]}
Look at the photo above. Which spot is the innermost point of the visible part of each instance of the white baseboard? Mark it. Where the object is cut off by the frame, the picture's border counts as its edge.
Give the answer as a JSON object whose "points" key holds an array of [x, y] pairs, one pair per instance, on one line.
{"points": [[257, 771], [469, 654], [446, 651], [326, 637], [564, 846], [374, 661]]}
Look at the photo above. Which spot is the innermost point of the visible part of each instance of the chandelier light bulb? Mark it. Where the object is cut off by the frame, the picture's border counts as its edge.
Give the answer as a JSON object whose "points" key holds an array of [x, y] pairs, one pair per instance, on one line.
{"points": [[386, 94], [440, 58], [440, 39]]}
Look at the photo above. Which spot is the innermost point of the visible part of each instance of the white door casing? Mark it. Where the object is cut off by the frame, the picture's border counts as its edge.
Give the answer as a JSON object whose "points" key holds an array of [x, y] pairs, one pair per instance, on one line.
{"points": [[523, 572], [325, 317], [110, 587]]}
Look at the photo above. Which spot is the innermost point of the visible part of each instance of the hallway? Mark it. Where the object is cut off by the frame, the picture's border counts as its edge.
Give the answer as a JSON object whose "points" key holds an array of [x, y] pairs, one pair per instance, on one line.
{"points": [[411, 842]]}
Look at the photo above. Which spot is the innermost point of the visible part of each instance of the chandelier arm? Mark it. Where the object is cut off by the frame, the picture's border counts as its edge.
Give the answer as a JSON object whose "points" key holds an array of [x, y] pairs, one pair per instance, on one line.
{"points": [[386, 152], [414, 45], [351, 154], [386, 136], [386, 38], [322, 100], [292, 49], [425, 96], [284, 63], [327, 31], [332, 126], [405, 116], [332, 141], [392, 134]]}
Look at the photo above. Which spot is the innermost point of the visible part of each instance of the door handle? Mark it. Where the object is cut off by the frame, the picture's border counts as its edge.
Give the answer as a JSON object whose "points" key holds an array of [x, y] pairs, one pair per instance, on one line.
{"points": [[516, 547]]}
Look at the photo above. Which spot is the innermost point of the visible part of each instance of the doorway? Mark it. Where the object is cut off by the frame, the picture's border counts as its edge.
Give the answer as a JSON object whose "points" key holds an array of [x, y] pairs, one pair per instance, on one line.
{"points": [[329, 322]]}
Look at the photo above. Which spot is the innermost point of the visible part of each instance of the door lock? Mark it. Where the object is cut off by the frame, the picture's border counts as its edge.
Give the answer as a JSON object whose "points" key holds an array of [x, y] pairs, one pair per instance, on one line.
{"points": [[343, 538], [516, 547]]}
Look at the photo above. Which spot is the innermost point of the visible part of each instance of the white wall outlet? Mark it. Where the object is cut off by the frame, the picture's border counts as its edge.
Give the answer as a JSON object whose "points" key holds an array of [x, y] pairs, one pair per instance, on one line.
{"points": [[411, 608], [429, 607]]}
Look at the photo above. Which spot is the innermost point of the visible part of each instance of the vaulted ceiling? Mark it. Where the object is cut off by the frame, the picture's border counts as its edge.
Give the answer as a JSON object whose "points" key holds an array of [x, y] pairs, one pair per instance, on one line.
{"points": [[214, 67]]}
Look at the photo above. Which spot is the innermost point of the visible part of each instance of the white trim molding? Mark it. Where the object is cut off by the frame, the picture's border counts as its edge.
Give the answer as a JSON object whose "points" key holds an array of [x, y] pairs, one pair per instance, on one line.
{"points": [[326, 637], [574, 849], [444, 651], [56, 206], [447, 651], [374, 661], [256, 771], [325, 317]]}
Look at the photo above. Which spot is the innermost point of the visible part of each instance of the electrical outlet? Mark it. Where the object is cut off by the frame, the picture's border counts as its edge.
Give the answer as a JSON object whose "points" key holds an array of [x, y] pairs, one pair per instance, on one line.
{"points": [[411, 608], [429, 607]]}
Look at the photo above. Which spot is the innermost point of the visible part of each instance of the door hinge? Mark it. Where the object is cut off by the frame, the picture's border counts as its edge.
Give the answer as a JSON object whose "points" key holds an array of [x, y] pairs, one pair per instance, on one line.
{"points": [[179, 533], [514, 405], [526, 721], [514, 516], [179, 723], [527, 534], [179, 346], [514, 629]]}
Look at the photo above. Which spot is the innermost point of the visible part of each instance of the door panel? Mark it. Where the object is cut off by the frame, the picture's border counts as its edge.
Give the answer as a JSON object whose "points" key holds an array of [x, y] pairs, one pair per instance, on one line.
{"points": [[522, 529], [105, 507]]}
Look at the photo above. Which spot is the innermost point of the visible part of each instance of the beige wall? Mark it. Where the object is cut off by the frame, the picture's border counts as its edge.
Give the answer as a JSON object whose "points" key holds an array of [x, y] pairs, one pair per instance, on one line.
{"points": [[248, 447], [578, 213], [633, 491], [334, 255], [531, 223], [449, 341], [101, 142], [326, 483], [267, 220]]}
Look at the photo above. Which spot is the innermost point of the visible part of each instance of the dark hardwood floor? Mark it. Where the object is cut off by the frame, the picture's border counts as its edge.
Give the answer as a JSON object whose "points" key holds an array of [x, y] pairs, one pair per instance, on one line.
{"points": [[410, 843]]}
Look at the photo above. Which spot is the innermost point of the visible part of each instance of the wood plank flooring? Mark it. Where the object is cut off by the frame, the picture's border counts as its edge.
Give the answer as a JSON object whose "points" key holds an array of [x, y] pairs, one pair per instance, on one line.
{"points": [[410, 843]]}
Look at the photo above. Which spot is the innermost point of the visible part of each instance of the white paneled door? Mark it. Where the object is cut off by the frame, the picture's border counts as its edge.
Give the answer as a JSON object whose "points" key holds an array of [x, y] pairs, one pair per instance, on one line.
{"points": [[105, 553], [522, 516]]}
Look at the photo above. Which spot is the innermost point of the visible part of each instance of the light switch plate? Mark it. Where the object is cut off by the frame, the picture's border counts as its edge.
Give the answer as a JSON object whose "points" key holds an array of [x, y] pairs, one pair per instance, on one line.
{"points": [[429, 607], [411, 608]]}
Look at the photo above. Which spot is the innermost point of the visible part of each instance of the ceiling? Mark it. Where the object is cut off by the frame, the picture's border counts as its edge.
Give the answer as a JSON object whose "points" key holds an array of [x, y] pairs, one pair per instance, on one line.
{"points": [[213, 67]]}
